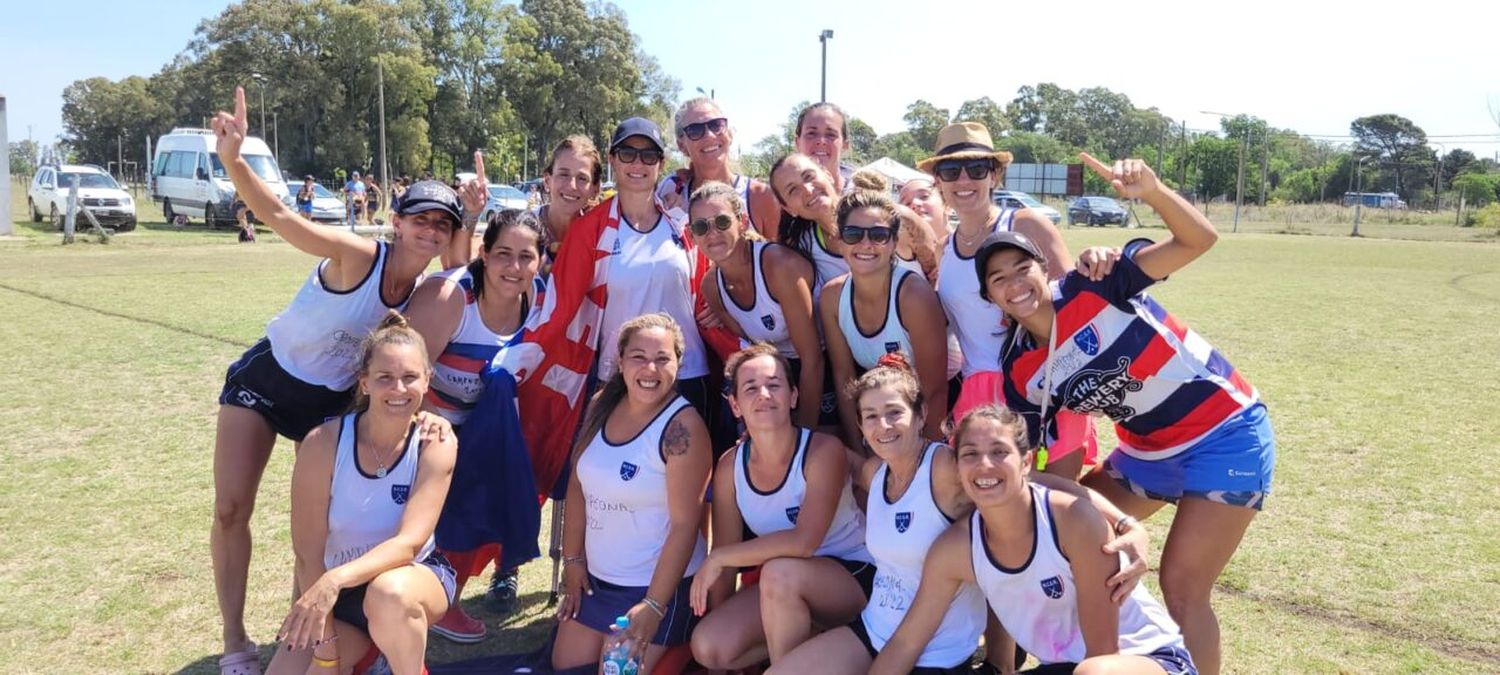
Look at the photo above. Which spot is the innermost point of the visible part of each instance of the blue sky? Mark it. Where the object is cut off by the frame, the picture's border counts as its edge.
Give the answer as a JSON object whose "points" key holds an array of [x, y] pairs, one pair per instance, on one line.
{"points": [[1307, 66]]}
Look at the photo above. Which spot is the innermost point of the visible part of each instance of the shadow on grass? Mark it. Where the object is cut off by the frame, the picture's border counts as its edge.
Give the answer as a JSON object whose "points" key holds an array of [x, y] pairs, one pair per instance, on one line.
{"points": [[522, 632]]}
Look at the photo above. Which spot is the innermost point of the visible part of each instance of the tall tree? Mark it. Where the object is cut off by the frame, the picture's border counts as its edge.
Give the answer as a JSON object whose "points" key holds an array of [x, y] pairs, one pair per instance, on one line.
{"points": [[23, 157], [1398, 145], [985, 111], [924, 120], [862, 139]]}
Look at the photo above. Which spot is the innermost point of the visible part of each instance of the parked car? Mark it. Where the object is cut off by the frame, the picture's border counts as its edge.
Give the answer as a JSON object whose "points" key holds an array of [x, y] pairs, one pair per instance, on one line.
{"points": [[1015, 199], [97, 191], [503, 197], [326, 206], [1097, 211], [188, 179]]}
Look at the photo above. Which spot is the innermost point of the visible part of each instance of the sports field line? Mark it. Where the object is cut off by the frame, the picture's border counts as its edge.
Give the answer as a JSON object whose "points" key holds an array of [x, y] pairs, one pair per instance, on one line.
{"points": [[127, 317]]}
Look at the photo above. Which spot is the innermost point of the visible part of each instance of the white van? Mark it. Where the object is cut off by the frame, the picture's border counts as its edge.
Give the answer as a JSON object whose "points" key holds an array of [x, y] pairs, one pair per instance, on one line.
{"points": [[188, 179]]}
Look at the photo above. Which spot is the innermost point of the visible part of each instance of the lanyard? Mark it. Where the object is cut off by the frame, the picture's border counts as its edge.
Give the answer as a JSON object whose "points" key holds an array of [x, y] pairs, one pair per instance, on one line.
{"points": [[1041, 450]]}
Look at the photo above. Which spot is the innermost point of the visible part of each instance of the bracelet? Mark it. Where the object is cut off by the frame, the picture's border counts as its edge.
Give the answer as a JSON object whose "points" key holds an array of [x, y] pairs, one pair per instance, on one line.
{"points": [[655, 607], [1123, 525], [325, 663], [571, 559]]}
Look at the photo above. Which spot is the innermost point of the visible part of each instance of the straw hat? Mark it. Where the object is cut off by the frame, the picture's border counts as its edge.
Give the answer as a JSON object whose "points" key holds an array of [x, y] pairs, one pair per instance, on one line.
{"points": [[965, 140]]}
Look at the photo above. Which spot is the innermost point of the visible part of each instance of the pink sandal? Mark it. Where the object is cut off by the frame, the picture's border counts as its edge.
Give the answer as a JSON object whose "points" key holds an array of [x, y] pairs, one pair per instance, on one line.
{"points": [[244, 662]]}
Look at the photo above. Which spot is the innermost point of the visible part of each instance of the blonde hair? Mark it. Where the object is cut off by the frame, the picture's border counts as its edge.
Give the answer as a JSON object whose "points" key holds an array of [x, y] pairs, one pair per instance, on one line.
{"points": [[870, 179], [719, 190], [691, 103], [392, 330], [585, 148]]}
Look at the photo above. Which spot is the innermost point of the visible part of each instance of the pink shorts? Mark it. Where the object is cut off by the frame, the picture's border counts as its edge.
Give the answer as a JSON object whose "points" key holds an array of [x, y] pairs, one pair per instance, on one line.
{"points": [[1075, 431]]}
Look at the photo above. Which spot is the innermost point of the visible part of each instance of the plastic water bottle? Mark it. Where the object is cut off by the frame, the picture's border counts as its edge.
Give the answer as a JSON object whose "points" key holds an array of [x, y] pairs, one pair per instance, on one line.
{"points": [[617, 660]]}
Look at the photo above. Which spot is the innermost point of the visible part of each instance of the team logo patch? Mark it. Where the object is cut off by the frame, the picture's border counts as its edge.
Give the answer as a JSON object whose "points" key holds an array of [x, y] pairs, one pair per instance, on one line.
{"points": [[892, 347], [768, 321], [1087, 340], [792, 512], [399, 493], [903, 521], [628, 470], [616, 249], [1053, 587]]}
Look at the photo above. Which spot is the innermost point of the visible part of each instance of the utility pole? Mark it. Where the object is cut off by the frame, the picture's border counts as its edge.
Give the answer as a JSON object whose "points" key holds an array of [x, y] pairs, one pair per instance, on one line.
{"points": [[1239, 185], [385, 173], [1359, 198], [824, 37], [1265, 165], [1182, 157], [261, 80], [1161, 147]]}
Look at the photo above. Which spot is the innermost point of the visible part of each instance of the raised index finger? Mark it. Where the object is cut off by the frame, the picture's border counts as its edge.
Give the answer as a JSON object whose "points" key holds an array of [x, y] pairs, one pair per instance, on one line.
{"points": [[1104, 170], [479, 166], [240, 115]]}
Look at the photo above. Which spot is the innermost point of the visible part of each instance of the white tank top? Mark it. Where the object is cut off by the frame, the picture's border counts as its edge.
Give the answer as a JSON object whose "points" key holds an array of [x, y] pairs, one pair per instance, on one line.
{"points": [[892, 336], [650, 272], [1039, 608], [899, 535], [763, 320], [316, 338], [740, 184], [826, 266], [456, 384], [625, 499], [364, 509], [777, 510], [912, 264], [976, 323]]}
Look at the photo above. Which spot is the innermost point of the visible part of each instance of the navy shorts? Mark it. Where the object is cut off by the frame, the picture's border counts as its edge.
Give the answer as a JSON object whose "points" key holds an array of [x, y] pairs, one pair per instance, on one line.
{"points": [[863, 573], [1174, 660], [293, 407], [609, 601], [857, 626], [350, 607], [828, 403]]}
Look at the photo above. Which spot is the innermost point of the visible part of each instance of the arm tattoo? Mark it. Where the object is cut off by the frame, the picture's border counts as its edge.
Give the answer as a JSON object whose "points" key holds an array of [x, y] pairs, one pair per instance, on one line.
{"points": [[676, 440]]}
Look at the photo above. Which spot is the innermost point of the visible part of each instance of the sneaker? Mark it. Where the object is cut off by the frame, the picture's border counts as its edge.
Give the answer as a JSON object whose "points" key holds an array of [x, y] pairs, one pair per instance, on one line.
{"points": [[502, 593], [459, 627]]}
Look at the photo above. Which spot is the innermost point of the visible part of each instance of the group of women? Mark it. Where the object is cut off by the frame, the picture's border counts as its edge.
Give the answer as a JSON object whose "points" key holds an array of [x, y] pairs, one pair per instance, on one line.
{"points": [[896, 466]]}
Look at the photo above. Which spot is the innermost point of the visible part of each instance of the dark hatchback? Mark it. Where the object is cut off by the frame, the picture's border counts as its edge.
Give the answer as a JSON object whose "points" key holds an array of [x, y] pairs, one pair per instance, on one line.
{"points": [[1096, 211]]}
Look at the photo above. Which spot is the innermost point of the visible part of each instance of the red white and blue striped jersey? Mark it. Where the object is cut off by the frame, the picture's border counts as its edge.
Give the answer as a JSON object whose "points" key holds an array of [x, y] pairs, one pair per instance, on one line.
{"points": [[456, 373], [1118, 352]]}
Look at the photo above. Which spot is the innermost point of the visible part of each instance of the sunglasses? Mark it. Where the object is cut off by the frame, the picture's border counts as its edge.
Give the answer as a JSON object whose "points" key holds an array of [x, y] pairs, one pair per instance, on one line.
{"points": [[721, 222], [648, 156], [878, 234], [696, 130], [977, 169]]}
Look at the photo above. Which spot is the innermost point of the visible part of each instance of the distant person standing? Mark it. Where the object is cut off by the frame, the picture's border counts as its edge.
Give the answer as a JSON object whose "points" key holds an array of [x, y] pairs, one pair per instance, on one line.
{"points": [[373, 200], [354, 198], [305, 197]]}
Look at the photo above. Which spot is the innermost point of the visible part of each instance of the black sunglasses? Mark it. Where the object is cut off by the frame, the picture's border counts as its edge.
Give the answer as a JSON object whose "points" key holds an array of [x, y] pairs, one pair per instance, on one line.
{"points": [[853, 234], [977, 169], [721, 222], [628, 155], [696, 130]]}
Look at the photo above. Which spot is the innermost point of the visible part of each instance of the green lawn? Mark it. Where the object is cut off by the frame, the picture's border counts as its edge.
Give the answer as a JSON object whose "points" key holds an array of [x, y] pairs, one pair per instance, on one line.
{"points": [[1378, 551]]}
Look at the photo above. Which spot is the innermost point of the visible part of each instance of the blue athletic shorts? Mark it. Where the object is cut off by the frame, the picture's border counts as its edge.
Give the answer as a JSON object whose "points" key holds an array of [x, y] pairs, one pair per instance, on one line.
{"points": [[293, 407], [1233, 465], [350, 605], [598, 611]]}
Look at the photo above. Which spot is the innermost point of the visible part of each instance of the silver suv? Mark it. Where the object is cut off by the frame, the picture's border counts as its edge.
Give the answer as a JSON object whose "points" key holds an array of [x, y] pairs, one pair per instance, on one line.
{"points": [[97, 191]]}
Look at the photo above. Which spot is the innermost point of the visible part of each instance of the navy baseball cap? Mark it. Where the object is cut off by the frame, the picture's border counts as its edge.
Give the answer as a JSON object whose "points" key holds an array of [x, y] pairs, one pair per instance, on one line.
{"points": [[428, 195], [996, 242], [637, 126]]}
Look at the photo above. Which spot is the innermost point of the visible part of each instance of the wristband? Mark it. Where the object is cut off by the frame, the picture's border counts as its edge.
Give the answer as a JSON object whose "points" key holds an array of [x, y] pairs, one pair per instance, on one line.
{"points": [[325, 663], [1123, 525], [571, 559], [655, 607]]}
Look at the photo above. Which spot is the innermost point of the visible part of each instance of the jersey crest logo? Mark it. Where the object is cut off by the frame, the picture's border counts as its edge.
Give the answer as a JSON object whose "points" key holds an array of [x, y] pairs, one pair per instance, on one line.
{"points": [[792, 512], [892, 347], [1087, 340], [903, 521], [628, 470], [399, 493], [768, 321], [1053, 587], [616, 249]]}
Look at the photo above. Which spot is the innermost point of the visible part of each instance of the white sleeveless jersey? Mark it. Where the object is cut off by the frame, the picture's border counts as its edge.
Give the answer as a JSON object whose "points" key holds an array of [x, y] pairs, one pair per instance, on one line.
{"points": [[365, 509], [777, 509], [826, 266], [892, 336], [899, 534], [976, 323], [625, 499], [1038, 605], [316, 338], [763, 320], [456, 384], [740, 184], [912, 264], [650, 272]]}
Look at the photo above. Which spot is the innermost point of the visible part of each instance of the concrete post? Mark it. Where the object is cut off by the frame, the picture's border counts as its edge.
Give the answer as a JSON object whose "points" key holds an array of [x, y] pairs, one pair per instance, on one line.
{"points": [[5, 224]]}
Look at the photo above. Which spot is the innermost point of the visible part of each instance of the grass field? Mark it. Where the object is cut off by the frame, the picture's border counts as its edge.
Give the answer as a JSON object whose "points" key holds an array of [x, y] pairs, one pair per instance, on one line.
{"points": [[1379, 358]]}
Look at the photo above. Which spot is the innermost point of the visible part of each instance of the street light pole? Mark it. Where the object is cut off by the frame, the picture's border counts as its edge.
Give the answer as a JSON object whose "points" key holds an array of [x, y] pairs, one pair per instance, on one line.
{"points": [[261, 80], [385, 171], [1359, 197], [824, 37], [1437, 178]]}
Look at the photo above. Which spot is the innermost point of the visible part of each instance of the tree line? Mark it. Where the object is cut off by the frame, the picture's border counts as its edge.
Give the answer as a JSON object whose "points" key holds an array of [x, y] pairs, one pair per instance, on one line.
{"points": [[513, 79]]}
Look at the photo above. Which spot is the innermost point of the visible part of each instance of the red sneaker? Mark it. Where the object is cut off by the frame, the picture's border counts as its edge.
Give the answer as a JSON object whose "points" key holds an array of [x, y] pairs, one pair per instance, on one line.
{"points": [[459, 627]]}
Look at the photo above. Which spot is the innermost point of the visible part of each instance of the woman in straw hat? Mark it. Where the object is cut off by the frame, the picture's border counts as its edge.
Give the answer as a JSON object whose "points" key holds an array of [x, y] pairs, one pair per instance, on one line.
{"points": [[966, 169]]}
